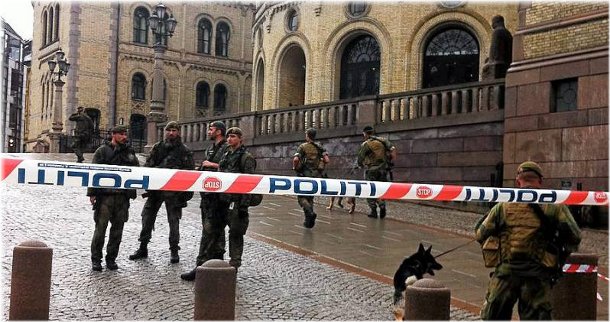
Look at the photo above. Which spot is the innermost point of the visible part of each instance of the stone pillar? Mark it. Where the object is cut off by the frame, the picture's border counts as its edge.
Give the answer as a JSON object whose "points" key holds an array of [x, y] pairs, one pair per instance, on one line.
{"points": [[366, 114], [574, 297], [215, 291], [31, 281], [57, 124], [157, 104], [246, 124], [427, 299]]}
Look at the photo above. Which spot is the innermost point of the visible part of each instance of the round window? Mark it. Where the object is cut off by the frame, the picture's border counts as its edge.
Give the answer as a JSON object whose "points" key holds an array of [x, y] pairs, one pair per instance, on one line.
{"points": [[292, 23]]}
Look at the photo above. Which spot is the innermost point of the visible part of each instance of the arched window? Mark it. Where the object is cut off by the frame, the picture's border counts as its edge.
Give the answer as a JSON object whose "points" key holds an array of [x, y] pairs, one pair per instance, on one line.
{"points": [[203, 95], [356, 9], [292, 23], [204, 36], [138, 87], [56, 22], [360, 68], [51, 22], [45, 27], [451, 57], [222, 39], [220, 99], [140, 26]]}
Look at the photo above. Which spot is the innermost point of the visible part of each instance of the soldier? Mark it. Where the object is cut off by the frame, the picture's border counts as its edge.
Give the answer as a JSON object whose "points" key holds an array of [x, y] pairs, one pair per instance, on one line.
{"points": [[111, 205], [377, 155], [309, 161], [82, 132], [213, 211], [169, 153], [237, 160], [530, 253]]}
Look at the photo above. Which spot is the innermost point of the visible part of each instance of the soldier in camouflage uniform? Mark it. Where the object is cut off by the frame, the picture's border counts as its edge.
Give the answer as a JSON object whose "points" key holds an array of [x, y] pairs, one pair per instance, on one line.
{"points": [[82, 132], [213, 211], [377, 155], [527, 263], [111, 205], [169, 153], [309, 161], [237, 160]]}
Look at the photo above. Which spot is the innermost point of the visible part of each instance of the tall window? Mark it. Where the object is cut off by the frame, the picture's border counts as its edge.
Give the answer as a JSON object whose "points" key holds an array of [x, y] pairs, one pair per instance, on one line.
{"points": [[203, 95], [140, 26], [45, 27], [204, 36], [138, 87], [451, 57], [360, 68], [293, 20], [56, 29], [51, 21], [220, 99], [222, 39]]}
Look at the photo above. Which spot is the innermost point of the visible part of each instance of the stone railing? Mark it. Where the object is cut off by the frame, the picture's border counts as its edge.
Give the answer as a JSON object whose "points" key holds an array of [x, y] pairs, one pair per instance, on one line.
{"points": [[449, 100], [348, 116]]}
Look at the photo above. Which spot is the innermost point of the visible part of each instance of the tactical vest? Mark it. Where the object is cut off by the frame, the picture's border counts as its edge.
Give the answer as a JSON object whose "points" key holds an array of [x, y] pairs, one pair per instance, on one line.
{"points": [[521, 237], [378, 155], [311, 156]]}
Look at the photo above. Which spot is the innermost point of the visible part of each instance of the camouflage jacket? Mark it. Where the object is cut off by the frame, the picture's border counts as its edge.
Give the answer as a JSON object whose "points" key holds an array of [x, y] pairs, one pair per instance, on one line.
{"points": [[238, 161], [115, 155], [311, 162], [84, 124], [170, 155]]}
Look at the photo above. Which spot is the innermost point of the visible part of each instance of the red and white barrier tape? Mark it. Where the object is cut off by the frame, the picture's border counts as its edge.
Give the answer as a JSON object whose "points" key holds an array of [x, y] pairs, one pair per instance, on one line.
{"points": [[579, 268], [22, 171]]}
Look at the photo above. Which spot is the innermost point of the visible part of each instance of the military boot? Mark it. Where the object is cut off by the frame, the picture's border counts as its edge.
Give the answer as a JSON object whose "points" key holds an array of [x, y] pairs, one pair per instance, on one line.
{"points": [[96, 266], [111, 264], [190, 276], [174, 258], [310, 220], [373, 213], [142, 252], [382, 212]]}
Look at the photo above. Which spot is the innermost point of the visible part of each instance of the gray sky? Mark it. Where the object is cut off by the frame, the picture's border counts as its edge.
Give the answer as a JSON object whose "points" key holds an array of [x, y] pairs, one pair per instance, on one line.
{"points": [[19, 14]]}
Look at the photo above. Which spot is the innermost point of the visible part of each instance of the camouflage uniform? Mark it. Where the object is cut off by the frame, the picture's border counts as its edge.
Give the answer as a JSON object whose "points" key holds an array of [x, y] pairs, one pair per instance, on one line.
{"points": [[373, 154], [213, 213], [526, 266], [111, 205], [311, 165], [82, 133], [170, 155], [238, 161]]}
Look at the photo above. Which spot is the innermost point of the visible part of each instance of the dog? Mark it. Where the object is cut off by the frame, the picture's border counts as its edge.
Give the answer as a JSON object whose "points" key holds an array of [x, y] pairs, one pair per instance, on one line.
{"points": [[351, 201], [413, 268]]}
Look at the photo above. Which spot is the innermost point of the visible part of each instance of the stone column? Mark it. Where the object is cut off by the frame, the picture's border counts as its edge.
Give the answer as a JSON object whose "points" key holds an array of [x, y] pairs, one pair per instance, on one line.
{"points": [[157, 104], [57, 124]]}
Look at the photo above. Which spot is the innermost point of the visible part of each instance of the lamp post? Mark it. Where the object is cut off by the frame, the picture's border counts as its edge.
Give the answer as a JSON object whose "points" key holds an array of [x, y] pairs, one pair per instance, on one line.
{"points": [[162, 26], [57, 125]]}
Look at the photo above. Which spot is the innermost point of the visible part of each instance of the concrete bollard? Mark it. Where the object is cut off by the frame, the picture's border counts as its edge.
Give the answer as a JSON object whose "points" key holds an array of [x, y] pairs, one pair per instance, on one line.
{"points": [[427, 299], [574, 297], [31, 281], [215, 291]]}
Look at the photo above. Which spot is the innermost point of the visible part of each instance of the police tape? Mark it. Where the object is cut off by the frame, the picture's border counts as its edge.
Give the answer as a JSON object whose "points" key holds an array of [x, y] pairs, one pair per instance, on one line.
{"points": [[579, 268], [37, 172]]}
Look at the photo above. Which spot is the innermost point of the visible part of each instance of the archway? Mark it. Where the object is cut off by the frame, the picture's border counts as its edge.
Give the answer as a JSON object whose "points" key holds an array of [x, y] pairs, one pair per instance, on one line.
{"points": [[292, 77], [260, 85], [137, 131], [360, 68]]}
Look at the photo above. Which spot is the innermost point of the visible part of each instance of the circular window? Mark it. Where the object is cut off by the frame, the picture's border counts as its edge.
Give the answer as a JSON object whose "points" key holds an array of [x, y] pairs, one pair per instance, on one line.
{"points": [[356, 9], [292, 20]]}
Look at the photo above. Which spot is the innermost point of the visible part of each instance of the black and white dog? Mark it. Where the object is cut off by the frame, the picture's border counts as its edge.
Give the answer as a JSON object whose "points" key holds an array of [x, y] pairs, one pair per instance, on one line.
{"points": [[414, 266]]}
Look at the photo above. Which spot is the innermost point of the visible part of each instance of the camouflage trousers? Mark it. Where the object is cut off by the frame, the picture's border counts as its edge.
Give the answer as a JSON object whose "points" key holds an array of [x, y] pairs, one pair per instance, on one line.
{"points": [[306, 202], [113, 209], [149, 216], [238, 221], [79, 143], [376, 175], [213, 219], [533, 294]]}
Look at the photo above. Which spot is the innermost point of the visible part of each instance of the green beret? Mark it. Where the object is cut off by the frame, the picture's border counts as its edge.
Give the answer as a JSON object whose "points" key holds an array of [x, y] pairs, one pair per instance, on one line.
{"points": [[119, 129], [172, 125], [235, 130], [530, 166], [311, 133], [368, 129]]}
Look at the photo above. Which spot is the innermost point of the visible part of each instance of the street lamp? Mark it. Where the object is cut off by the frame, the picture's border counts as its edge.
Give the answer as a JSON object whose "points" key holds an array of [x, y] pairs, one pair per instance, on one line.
{"points": [[57, 125], [162, 26]]}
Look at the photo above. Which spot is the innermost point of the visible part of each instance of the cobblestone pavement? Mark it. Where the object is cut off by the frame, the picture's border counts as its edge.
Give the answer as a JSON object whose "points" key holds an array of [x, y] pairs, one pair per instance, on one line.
{"points": [[273, 283]]}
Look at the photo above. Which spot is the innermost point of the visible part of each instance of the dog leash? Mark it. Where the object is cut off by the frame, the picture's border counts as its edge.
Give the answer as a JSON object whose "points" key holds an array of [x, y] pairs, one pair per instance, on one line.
{"points": [[454, 248]]}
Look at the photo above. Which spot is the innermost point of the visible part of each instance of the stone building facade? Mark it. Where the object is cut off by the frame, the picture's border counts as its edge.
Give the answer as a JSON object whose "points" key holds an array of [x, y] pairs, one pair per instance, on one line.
{"points": [[556, 107], [302, 49], [207, 65]]}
